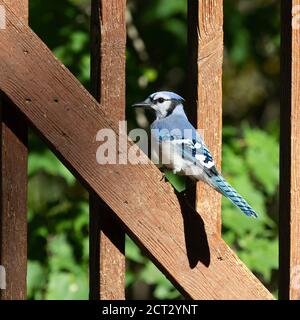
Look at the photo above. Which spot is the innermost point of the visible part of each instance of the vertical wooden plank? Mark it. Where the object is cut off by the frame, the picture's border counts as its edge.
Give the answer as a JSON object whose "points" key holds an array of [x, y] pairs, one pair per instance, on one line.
{"points": [[289, 217], [13, 215], [107, 238], [205, 38]]}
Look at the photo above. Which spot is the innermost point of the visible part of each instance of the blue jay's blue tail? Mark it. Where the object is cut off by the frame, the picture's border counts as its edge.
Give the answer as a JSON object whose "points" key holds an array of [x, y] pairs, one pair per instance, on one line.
{"points": [[228, 191]]}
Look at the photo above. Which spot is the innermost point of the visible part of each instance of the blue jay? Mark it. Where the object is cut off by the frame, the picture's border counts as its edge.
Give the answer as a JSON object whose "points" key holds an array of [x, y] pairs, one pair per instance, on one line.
{"points": [[182, 148]]}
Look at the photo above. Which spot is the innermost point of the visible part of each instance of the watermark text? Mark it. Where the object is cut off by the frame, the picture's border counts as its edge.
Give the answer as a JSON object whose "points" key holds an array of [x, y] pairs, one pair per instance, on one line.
{"points": [[296, 17], [2, 17], [2, 278], [295, 277], [176, 148]]}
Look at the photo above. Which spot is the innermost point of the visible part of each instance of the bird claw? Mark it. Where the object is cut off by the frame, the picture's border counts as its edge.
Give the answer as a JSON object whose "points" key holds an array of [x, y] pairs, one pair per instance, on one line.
{"points": [[163, 177]]}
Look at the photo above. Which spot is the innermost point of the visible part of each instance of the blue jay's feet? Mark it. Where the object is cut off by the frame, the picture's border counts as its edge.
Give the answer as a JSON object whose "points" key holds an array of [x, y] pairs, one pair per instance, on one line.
{"points": [[163, 169], [163, 177]]}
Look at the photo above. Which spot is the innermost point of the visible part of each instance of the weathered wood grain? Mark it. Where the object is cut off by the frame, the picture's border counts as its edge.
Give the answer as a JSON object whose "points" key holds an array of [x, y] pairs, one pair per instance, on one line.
{"points": [[108, 36], [13, 202], [68, 117], [205, 35], [289, 217], [107, 247]]}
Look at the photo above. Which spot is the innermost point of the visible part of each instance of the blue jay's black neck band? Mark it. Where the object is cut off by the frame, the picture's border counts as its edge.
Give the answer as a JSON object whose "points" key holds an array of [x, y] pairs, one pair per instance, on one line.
{"points": [[172, 107]]}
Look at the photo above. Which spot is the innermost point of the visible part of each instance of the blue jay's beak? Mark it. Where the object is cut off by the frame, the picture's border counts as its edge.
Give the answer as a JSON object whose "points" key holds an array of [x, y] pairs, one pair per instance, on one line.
{"points": [[142, 104]]}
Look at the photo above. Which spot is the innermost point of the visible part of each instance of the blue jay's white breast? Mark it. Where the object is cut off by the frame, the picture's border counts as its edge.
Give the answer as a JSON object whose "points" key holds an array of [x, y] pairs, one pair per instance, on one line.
{"points": [[167, 154]]}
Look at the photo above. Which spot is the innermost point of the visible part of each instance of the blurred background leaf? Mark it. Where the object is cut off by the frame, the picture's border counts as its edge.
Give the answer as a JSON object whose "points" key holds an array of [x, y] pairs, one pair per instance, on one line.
{"points": [[157, 59]]}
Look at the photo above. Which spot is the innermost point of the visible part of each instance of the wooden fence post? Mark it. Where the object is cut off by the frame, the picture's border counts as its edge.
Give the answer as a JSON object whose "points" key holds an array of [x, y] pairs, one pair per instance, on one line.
{"points": [[107, 238], [205, 38], [289, 217], [13, 215]]}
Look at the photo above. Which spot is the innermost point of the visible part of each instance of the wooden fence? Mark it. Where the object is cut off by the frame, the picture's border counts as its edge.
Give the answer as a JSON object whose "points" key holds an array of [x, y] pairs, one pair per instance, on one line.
{"points": [[186, 245]]}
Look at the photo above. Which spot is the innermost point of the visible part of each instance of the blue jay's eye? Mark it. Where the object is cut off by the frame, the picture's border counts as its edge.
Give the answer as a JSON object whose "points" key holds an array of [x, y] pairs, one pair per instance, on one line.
{"points": [[161, 100]]}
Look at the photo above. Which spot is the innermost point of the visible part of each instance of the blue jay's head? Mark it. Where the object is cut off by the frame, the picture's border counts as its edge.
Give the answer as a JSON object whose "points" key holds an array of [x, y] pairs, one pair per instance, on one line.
{"points": [[162, 102]]}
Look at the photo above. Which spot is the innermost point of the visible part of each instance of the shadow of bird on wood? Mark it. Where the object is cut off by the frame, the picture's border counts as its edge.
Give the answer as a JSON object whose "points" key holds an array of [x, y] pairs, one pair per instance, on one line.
{"points": [[196, 242]]}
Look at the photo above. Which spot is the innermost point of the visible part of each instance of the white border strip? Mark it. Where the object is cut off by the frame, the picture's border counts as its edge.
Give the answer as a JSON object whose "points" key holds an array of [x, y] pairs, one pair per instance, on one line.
{"points": [[2, 17], [2, 278]]}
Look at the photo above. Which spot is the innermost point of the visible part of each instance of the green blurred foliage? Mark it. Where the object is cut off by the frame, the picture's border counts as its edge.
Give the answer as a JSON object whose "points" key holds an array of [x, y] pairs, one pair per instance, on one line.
{"points": [[156, 59], [254, 240]]}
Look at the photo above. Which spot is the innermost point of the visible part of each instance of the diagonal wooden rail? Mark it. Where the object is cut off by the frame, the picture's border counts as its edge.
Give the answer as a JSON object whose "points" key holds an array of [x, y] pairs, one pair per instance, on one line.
{"points": [[68, 117]]}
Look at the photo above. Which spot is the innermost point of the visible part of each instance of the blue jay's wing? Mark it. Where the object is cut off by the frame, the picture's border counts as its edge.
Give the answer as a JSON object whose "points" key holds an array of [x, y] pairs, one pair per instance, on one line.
{"points": [[186, 141], [197, 152], [194, 153], [215, 179]]}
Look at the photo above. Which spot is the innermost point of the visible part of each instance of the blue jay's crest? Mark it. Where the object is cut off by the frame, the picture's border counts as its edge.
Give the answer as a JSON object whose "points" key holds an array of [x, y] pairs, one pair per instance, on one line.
{"points": [[166, 95], [182, 147]]}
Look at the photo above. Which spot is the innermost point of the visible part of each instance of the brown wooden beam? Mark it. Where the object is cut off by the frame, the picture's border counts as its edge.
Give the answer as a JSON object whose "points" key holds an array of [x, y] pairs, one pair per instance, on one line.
{"points": [[205, 35], [289, 217], [107, 237], [13, 197], [68, 117]]}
